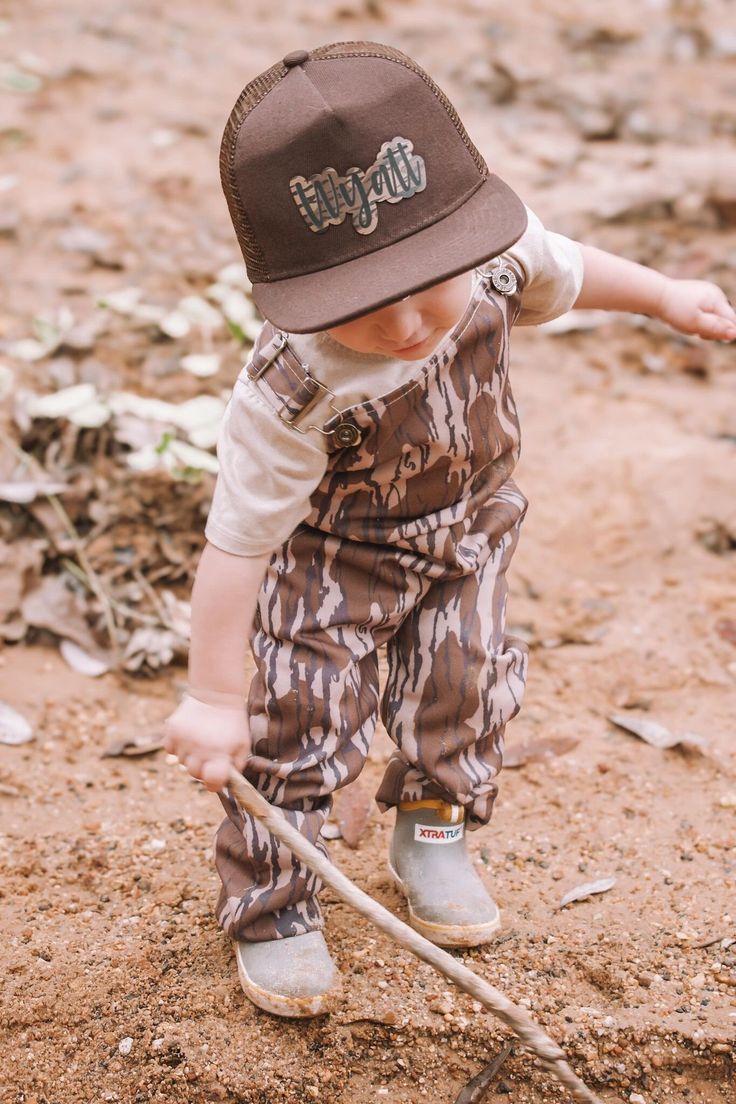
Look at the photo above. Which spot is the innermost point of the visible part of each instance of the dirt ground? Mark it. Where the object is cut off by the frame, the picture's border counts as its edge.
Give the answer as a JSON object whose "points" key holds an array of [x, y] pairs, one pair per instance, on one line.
{"points": [[616, 124]]}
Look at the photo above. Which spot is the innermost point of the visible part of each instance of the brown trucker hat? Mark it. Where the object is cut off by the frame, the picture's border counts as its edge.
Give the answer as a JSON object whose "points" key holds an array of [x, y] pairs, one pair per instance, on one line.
{"points": [[351, 182]]}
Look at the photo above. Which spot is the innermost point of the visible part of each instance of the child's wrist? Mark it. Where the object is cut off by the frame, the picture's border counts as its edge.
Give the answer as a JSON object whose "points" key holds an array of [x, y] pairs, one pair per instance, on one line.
{"points": [[660, 304], [222, 698]]}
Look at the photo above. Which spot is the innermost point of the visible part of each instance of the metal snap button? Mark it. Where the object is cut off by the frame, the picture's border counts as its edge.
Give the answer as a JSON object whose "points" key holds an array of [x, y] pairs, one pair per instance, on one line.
{"points": [[347, 435], [296, 57], [503, 279]]}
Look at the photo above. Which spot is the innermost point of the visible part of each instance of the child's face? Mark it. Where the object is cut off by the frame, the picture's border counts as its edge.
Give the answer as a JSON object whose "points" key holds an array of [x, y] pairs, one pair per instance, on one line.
{"points": [[410, 329]]}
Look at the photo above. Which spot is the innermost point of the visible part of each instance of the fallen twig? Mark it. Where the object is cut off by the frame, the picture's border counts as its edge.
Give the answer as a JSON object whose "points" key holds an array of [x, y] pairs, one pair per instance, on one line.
{"points": [[531, 1034], [476, 1089], [157, 604], [708, 943], [121, 607]]}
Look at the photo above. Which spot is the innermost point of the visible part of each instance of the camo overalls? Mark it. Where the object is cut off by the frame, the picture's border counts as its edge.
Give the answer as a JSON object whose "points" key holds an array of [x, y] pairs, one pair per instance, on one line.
{"points": [[408, 540]]}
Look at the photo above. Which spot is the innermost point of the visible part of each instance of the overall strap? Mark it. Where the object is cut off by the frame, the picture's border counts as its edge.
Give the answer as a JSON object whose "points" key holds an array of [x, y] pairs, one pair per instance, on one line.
{"points": [[291, 390]]}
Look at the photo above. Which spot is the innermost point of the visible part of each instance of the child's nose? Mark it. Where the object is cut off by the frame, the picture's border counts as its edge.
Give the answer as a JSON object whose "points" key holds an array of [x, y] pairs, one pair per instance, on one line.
{"points": [[400, 322]]}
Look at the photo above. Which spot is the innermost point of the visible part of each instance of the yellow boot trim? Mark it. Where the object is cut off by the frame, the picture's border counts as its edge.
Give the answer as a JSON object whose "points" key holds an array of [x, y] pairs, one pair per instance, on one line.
{"points": [[451, 814]]}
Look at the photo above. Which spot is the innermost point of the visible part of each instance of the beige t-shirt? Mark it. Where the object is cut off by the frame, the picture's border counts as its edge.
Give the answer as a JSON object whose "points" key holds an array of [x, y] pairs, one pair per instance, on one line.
{"points": [[267, 471]]}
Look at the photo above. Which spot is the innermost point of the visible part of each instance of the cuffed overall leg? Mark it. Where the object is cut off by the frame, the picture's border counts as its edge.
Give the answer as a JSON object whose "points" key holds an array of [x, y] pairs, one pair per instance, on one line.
{"points": [[325, 606], [455, 680]]}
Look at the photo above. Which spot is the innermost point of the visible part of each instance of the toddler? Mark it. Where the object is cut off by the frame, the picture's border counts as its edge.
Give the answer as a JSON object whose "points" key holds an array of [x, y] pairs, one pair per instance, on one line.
{"points": [[365, 496]]}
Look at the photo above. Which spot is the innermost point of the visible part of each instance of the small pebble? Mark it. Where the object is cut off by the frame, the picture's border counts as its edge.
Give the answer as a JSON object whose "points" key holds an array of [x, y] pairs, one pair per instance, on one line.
{"points": [[636, 1098], [154, 845], [125, 1046]]}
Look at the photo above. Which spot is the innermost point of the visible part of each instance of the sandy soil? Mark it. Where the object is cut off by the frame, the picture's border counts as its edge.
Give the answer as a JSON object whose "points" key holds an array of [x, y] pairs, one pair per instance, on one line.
{"points": [[616, 127]]}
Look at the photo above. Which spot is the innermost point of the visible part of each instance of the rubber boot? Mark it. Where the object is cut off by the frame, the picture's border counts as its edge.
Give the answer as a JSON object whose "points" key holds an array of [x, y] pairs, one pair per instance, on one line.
{"points": [[289, 977], [448, 903]]}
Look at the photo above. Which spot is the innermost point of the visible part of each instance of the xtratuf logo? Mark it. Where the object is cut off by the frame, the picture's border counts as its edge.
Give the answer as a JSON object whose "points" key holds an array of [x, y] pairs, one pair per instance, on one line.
{"points": [[429, 833]]}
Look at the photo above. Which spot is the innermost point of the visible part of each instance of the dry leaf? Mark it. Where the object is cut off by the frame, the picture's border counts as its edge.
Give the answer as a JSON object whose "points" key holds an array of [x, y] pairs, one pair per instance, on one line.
{"points": [[178, 614], [14, 728], [83, 239], [20, 566], [354, 808], [153, 646], [84, 662], [535, 751], [175, 324], [91, 415], [656, 734], [235, 274], [63, 403], [588, 889], [7, 380], [54, 607], [199, 312], [237, 308], [127, 301], [156, 410], [131, 749], [201, 364], [26, 490]]}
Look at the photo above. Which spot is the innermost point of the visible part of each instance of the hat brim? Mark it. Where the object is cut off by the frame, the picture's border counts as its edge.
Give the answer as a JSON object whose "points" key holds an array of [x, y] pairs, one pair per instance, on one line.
{"points": [[490, 221]]}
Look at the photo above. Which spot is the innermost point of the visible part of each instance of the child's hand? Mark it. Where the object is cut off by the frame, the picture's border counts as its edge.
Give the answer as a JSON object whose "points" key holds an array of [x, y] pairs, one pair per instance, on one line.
{"points": [[698, 307], [208, 739]]}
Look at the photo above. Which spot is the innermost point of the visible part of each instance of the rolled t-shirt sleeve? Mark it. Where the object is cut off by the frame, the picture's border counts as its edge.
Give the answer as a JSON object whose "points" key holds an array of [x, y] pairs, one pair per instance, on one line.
{"points": [[553, 266], [267, 473]]}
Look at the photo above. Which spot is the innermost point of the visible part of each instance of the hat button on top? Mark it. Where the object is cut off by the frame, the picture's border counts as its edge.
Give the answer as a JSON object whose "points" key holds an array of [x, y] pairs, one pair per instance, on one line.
{"points": [[296, 57]]}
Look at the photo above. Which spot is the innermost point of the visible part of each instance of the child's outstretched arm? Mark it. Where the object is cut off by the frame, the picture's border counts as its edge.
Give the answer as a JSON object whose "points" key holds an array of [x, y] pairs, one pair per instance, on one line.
{"points": [[690, 306], [209, 730]]}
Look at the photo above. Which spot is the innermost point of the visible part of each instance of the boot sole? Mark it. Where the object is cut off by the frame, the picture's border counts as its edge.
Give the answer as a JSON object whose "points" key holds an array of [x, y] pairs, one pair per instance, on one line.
{"points": [[280, 1004], [448, 935]]}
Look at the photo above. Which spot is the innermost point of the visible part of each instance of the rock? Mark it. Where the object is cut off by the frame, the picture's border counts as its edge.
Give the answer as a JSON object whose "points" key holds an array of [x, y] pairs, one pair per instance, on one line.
{"points": [[594, 122], [723, 44], [9, 222], [125, 1046], [83, 239], [724, 205], [154, 845]]}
